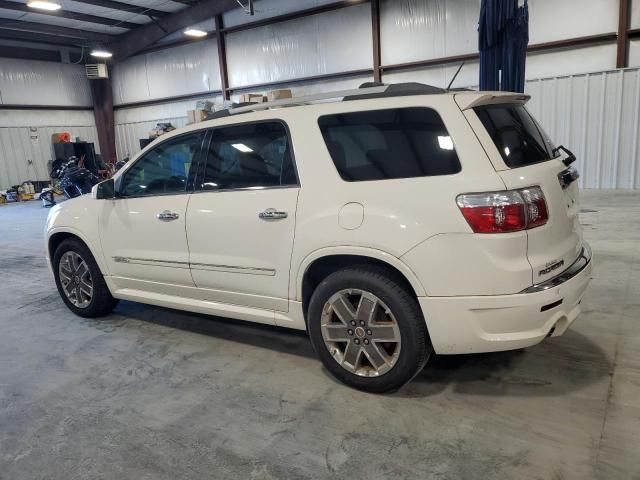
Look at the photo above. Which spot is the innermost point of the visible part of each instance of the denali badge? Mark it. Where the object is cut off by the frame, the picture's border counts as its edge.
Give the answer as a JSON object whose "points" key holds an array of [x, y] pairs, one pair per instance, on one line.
{"points": [[551, 267]]}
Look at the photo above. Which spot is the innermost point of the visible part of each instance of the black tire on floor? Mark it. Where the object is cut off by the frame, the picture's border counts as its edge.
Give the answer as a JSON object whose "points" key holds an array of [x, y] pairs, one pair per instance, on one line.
{"points": [[415, 344], [102, 303]]}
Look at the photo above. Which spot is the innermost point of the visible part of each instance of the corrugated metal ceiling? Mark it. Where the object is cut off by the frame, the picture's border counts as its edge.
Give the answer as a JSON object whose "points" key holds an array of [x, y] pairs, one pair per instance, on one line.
{"points": [[126, 12]]}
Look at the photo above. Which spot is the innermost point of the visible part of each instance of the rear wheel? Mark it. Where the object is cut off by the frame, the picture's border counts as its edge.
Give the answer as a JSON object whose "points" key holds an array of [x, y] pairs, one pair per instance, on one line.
{"points": [[79, 280], [368, 329]]}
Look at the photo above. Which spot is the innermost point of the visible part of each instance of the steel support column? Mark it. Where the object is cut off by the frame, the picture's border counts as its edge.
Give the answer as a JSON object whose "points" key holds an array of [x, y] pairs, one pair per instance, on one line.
{"points": [[105, 121]]}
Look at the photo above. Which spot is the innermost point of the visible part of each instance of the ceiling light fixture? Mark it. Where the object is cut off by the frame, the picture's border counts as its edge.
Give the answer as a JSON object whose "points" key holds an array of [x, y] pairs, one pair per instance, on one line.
{"points": [[194, 32], [101, 54], [44, 5]]}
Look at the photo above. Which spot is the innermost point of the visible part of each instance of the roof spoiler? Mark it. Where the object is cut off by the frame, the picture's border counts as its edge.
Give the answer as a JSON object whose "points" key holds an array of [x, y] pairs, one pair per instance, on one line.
{"points": [[467, 101]]}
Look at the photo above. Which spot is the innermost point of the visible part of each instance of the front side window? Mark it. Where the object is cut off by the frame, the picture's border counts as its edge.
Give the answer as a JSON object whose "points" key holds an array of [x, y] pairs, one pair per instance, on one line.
{"points": [[249, 156], [163, 170], [516, 134], [393, 143]]}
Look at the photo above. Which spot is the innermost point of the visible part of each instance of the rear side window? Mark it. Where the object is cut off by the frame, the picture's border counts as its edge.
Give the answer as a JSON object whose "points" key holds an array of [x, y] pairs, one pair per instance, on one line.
{"points": [[385, 144], [516, 134]]}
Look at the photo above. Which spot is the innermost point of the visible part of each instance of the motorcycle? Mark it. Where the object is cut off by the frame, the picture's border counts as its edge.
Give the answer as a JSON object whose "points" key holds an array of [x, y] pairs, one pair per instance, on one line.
{"points": [[69, 178]]}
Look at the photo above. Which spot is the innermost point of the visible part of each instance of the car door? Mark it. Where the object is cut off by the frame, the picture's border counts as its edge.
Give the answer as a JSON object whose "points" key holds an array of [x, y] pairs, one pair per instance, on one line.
{"points": [[143, 228], [241, 218]]}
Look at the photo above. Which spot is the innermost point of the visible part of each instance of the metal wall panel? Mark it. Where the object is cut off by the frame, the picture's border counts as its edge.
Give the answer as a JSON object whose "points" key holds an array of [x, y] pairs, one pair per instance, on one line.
{"points": [[561, 19], [597, 116], [17, 147], [332, 42], [573, 61], [191, 68], [129, 80], [634, 53], [132, 124], [412, 30], [635, 14], [30, 82]]}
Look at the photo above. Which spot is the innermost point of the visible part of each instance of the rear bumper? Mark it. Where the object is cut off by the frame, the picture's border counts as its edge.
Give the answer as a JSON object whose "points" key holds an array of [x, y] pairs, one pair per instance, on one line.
{"points": [[494, 323]]}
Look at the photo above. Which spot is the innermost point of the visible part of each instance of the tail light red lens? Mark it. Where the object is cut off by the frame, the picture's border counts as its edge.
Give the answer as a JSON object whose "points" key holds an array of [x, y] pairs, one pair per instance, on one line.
{"points": [[537, 213], [502, 212]]}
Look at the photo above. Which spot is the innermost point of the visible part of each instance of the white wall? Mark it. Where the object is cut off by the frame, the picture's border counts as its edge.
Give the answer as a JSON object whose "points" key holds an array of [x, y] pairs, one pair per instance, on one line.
{"points": [[187, 69], [30, 82], [331, 42], [25, 141], [25, 135]]}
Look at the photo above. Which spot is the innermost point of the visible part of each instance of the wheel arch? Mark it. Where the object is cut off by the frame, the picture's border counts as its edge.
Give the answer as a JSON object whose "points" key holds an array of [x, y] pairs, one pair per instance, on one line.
{"points": [[322, 263], [58, 236]]}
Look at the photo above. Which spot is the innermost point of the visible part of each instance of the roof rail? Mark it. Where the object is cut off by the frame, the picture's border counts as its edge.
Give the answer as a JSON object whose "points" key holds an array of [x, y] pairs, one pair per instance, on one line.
{"points": [[366, 90], [307, 99]]}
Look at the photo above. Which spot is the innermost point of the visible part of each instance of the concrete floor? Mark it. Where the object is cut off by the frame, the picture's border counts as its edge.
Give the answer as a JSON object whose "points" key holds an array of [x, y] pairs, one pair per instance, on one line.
{"points": [[150, 393]]}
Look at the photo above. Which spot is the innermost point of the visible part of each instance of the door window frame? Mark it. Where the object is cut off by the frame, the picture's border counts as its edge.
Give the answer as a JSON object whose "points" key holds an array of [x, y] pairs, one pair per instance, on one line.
{"points": [[204, 158], [194, 168]]}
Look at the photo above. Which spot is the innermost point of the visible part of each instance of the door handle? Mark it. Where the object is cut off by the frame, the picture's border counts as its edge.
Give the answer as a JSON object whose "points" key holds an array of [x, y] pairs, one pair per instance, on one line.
{"points": [[272, 214], [167, 216]]}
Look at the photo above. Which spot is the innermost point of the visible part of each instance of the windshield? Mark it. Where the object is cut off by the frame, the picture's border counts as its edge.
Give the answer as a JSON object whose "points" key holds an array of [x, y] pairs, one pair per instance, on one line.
{"points": [[519, 138]]}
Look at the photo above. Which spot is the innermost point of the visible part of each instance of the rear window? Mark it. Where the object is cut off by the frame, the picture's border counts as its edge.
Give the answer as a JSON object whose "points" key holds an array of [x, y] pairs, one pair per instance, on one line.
{"points": [[386, 144], [519, 138]]}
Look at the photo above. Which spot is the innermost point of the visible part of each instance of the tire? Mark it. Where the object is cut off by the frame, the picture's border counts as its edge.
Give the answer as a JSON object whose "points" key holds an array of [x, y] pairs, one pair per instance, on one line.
{"points": [[347, 296], [100, 302]]}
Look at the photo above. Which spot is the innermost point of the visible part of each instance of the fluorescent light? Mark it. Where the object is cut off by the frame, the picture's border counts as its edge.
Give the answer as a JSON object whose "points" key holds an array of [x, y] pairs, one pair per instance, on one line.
{"points": [[101, 54], [242, 147], [445, 143], [194, 32], [44, 5]]}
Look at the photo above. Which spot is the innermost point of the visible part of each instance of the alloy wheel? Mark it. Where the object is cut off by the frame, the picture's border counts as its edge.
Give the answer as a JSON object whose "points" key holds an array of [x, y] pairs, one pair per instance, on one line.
{"points": [[361, 332], [75, 279]]}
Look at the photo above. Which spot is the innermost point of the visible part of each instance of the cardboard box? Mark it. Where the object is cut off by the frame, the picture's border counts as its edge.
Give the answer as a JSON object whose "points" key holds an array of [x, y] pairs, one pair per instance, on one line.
{"points": [[252, 98], [279, 94], [196, 116]]}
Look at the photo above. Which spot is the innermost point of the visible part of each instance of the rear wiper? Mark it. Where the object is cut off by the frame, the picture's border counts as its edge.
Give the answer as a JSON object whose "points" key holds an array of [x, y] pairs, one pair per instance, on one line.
{"points": [[570, 156]]}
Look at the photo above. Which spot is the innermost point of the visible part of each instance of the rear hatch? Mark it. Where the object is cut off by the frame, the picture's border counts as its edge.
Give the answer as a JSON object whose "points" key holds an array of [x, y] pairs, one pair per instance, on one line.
{"points": [[524, 156]]}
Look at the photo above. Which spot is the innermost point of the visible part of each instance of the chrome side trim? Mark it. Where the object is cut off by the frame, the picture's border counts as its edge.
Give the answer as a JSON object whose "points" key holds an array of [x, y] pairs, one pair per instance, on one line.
{"points": [[575, 268], [151, 261], [196, 266], [234, 269]]}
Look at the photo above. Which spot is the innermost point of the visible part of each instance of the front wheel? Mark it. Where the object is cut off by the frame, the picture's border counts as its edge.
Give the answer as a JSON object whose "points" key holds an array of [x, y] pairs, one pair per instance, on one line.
{"points": [[368, 329], [79, 280]]}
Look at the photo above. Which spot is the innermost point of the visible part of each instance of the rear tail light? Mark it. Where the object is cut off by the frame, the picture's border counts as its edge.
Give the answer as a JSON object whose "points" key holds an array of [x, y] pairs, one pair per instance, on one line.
{"points": [[501, 212], [537, 214]]}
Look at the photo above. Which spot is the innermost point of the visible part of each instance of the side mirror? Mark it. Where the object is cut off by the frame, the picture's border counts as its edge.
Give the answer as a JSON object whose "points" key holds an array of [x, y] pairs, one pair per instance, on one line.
{"points": [[106, 190]]}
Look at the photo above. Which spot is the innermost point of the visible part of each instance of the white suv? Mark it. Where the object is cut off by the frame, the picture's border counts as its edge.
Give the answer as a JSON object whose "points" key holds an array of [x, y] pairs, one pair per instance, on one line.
{"points": [[390, 223]]}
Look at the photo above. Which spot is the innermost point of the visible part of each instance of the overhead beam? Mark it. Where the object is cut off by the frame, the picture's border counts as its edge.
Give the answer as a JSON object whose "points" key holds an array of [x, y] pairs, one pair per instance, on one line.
{"points": [[55, 30], [21, 7], [622, 58], [125, 7], [12, 51], [137, 40], [57, 40]]}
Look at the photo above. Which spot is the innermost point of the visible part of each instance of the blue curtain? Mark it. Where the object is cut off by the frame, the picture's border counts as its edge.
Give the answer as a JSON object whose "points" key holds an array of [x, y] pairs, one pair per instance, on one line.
{"points": [[503, 39]]}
